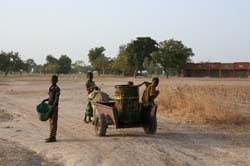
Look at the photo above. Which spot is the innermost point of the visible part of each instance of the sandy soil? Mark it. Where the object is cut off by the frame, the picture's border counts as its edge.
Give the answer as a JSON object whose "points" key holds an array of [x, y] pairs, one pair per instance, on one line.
{"points": [[12, 153], [175, 143]]}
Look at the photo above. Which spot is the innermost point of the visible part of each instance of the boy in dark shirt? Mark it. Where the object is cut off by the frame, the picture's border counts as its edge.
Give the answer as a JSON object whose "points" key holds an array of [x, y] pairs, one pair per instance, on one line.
{"points": [[53, 100]]}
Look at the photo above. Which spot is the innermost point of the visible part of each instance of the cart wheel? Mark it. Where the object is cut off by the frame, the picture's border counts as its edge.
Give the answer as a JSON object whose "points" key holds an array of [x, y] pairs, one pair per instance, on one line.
{"points": [[100, 124], [151, 126]]}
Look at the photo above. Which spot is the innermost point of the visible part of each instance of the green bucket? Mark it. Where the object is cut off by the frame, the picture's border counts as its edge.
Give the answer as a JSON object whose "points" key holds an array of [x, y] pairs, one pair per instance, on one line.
{"points": [[43, 111]]}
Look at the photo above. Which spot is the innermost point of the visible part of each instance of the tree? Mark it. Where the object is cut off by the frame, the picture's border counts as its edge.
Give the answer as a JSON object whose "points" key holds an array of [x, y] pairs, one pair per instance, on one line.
{"points": [[31, 65], [151, 66], [98, 60], [121, 62], [95, 53], [4, 62], [38, 69], [51, 66], [64, 63], [10, 61], [102, 63], [80, 67], [139, 49], [51, 59], [172, 55]]}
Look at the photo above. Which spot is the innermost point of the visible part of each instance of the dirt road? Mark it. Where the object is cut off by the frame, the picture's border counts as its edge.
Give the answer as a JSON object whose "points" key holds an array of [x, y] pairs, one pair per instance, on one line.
{"points": [[174, 144]]}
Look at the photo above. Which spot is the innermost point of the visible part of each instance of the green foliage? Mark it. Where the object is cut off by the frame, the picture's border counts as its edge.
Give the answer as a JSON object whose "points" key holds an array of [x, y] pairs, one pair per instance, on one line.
{"points": [[51, 66], [172, 55], [152, 67], [121, 62], [98, 59], [95, 53], [80, 67], [102, 63], [51, 59], [143, 53], [64, 64], [30, 65], [10, 61], [38, 69], [140, 49]]}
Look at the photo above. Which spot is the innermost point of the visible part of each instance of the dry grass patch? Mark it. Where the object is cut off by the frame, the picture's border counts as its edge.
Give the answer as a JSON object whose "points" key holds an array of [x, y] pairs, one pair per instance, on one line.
{"points": [[205, 104]]}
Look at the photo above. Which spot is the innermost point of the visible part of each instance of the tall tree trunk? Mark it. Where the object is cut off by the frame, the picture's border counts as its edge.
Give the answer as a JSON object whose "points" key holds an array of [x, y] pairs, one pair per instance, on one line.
{"points": [[6, 73], [135, 73], [179, 72], [166, 72]]}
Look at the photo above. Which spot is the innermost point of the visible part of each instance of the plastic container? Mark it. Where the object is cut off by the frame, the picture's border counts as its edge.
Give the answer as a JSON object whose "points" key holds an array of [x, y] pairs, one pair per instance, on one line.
{"points": [[43, 111]]}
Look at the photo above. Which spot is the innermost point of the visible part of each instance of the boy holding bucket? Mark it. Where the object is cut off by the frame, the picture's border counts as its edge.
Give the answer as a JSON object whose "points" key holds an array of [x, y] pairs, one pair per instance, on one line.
{"points": [[53, 100]]}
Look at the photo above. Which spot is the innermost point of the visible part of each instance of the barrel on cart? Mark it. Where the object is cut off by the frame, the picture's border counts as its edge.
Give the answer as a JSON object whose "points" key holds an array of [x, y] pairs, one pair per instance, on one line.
{"points": [[126, 105], [124, 111]]}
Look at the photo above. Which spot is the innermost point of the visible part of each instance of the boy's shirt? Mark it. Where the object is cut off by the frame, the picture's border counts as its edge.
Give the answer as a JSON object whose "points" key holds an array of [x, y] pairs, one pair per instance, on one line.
{"points": [[147, 95], [90, 85], [54, 91]]}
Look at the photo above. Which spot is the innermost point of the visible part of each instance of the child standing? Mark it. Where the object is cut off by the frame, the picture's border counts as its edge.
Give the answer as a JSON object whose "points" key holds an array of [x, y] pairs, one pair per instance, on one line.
{"points": [[150, 93], [53, 100], [90, 86]]}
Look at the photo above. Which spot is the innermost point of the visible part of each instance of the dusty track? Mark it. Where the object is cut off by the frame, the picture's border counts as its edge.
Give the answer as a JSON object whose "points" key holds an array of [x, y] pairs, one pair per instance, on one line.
{"points": [[174, 144]]}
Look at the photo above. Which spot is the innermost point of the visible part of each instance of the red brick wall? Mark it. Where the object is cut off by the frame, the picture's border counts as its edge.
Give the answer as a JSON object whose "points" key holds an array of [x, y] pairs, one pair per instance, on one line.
{"points": [[214, 66], [241, 66]]}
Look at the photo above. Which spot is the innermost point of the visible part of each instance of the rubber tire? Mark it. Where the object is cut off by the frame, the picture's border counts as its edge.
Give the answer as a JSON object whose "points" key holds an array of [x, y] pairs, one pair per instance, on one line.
{"points": [[100, 124], [151, 127]]}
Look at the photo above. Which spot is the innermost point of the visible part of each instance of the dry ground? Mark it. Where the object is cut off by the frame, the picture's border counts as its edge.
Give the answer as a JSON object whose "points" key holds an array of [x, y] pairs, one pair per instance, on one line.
{"points": [[177, 141]]}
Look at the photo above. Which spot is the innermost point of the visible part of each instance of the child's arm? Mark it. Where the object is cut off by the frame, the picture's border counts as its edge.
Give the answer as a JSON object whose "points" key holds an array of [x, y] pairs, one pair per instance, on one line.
{"points": [[45, 100], [147, 83], [141, 84], [153, 93]]}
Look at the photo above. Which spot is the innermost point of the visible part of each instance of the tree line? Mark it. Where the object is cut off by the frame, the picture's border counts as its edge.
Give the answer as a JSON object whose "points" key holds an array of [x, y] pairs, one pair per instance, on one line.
{"points": [[142, 55]]}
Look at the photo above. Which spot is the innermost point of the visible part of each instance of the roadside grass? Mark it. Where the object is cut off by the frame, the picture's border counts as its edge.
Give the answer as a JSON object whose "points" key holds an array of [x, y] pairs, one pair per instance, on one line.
{"points": [[206, 104]]}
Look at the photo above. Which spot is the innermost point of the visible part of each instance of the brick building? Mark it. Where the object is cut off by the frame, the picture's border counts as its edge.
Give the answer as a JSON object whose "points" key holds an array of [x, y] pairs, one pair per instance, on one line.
{"points": [[217, 70]]}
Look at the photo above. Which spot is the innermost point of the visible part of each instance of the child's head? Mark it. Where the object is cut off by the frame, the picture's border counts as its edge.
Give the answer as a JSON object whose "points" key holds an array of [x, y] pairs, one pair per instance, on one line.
{"points": [[90, 76], [54, 79], [130, 83], [155, 81]]}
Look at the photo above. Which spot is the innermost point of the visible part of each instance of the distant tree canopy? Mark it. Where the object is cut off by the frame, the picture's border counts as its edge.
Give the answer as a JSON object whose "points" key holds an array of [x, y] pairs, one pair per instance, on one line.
{"points": [[11, 62], [140, 49], [51, 66], [131, 57], [80, 67], [172, 55], [31, 65], [137, 56], [121, 62], [58, 66], [64, 64], [98, 60]]}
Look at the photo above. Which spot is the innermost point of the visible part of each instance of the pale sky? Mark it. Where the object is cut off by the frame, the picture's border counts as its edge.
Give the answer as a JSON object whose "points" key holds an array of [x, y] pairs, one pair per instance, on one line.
{"points": [[216, 30]]}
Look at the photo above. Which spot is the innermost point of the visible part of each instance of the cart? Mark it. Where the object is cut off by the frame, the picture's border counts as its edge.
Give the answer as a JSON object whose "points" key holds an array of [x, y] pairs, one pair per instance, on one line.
{"points": [[124, 112]]}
